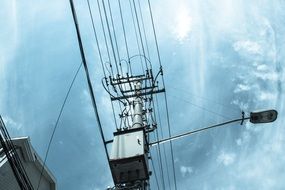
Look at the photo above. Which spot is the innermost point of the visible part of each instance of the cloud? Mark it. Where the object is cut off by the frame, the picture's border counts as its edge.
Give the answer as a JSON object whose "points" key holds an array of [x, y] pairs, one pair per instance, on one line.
{"points": [[10, 34], [241, 88], [247, 46], [244, 139], [266, 96], [186, 170], [262, 67], [9, 40], [226, 158], [261, 167], [197, 60], [241, 104], [11, 123], [271, 76]]}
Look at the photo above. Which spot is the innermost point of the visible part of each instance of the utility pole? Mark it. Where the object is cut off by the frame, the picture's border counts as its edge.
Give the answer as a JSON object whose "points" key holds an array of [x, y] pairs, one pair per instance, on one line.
{"points": [[138, 112], [129, 156], [130, 149]]}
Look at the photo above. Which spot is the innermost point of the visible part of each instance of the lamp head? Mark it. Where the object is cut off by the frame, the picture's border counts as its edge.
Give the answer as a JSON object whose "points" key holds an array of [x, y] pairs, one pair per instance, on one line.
{"points": [[267, 116]]}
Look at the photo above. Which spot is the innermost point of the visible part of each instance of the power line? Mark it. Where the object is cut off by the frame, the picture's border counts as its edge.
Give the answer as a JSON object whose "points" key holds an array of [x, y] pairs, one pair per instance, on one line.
{"points": [[205, 99], [125, 38], [140, 36], [113, 46], [56, 123], [115, 37], [158, 148], [154, 171], [92, 95], [111, 41], [200, 107], [165, 97], [161, 132], [137, 39], [116, 44], [146, 41], [96, 37], [169, 134], [143, 26], [105, 37], [139, 29], [110, 36], [100, 55], [160, 162], [13, 158], [154, 33]]}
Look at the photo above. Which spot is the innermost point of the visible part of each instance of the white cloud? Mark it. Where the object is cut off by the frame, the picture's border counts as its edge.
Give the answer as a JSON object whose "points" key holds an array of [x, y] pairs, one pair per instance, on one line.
{"points": [[248, 46], [272, 76], [241, 88], [262, 67], [185, 170], [226, 158], [265, 96], [11, 123], [242, 105], [244, 139]]}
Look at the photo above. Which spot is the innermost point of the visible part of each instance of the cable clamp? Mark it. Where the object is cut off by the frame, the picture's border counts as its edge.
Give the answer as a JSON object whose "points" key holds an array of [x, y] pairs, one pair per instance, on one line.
{"points": [[242, 118]]}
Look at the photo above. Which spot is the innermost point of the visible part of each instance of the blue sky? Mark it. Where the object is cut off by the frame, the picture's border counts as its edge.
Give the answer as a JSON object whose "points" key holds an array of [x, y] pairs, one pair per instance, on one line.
{"points": [[219, 57]]}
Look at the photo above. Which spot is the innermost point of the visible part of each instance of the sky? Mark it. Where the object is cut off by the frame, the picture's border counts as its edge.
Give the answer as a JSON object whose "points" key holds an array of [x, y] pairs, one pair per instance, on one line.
{"points": [[219, 57]]}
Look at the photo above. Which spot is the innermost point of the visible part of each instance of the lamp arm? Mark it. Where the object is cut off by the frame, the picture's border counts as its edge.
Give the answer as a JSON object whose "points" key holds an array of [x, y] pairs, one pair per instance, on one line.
{"points": [[197, 131]]}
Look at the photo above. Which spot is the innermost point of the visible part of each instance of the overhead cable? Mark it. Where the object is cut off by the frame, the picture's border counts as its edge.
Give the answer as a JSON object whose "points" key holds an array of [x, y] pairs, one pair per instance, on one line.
{"points": [[56, 124], [101, 59], [165, 97], [136, 34], [110, 37], [125, 37], [139, 30], [14, 159], [115, 36], [105, 37], [144, 31], [161, 133], [154, 171], [92, 95]]}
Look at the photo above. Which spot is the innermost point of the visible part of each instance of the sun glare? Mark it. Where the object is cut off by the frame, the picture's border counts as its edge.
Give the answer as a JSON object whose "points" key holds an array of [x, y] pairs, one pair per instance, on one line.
{"points": [[183, 24]]}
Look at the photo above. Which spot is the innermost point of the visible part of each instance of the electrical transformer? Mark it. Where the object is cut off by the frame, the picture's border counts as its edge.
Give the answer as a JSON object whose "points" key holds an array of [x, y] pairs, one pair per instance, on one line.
{"points": [[128, 159]]}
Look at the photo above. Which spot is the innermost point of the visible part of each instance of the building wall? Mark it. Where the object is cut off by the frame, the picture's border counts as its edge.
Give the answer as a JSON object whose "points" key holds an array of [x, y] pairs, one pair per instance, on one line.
{"points": [[9, 182], [7, 178], [34, 176]]}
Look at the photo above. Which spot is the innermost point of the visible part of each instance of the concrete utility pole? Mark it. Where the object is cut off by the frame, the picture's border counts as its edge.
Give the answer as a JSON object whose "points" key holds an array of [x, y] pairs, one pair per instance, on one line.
{"points": [[138, 107], [129, 163], [130, 149]]}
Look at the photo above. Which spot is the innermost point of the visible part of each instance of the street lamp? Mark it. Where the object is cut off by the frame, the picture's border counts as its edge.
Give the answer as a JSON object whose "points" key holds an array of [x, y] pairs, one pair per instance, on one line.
{"points": [[263, 116], [266, 116]]}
